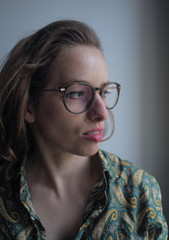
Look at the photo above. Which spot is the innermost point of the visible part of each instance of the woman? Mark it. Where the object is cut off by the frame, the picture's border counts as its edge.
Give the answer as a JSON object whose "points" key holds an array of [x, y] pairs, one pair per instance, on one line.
{"points": [[55, 96]]}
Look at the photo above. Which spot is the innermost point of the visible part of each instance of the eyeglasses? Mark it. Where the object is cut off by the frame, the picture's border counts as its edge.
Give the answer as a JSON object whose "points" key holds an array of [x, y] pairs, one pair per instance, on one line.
{"points": [[78, 97]]}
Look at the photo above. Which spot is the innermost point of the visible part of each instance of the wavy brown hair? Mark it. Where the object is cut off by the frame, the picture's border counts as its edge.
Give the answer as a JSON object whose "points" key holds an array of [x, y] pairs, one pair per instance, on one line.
{"points": [[23, 76]]}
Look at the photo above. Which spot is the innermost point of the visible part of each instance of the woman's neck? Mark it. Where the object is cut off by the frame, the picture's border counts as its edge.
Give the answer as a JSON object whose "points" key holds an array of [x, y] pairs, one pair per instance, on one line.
{"points": [[62, 172]]}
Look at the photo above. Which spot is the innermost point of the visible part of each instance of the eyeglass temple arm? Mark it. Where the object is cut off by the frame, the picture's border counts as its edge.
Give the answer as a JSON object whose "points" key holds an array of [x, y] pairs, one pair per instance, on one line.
{"points": [[54, 90]]}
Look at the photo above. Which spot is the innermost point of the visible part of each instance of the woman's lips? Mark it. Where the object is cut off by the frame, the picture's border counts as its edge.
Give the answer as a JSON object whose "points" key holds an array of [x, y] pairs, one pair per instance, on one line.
{"points": [[94, 135]]}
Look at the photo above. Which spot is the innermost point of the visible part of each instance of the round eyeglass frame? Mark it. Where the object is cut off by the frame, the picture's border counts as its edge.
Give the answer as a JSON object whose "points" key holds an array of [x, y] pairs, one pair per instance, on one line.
{"points": [[63, 89]]}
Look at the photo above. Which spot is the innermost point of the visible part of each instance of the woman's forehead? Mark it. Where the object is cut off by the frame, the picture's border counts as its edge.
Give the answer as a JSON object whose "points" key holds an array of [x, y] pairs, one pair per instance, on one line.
{"points": [[79, 63]]}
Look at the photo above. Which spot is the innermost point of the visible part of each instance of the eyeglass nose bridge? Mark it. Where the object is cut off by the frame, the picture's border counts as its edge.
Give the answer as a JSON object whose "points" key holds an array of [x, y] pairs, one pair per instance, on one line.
{"points": [[100, 90]]}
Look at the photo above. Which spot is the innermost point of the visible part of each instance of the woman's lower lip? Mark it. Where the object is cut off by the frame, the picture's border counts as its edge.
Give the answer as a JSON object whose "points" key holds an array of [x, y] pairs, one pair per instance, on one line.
{"points": [[98, 137]]}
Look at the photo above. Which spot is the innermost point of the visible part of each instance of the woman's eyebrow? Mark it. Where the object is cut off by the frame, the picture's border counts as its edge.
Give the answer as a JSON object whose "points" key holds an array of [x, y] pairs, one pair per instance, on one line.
{"points": [[69, 81]]}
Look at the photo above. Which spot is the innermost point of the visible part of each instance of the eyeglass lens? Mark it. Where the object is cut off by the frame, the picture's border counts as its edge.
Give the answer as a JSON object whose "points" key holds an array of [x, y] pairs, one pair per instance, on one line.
{"points": [[110, 94], [79, 97]]}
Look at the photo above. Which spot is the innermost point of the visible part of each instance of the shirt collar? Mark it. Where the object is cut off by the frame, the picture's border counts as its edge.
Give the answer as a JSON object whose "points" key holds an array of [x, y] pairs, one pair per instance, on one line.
{"points": [[25, 196], [110, 164]]}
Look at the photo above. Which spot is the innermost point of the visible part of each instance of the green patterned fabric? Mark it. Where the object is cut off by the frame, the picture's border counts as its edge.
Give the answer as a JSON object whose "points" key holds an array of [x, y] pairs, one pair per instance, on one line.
{"points": [[124, 204]]}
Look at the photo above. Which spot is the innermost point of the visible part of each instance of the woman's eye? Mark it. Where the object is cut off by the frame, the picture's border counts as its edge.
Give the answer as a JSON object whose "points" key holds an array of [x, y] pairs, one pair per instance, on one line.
{"points": [[75, 95]]}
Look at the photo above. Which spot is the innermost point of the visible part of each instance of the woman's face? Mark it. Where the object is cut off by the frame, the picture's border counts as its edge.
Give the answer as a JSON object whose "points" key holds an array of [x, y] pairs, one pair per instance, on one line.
{"points": [[55, 128]]}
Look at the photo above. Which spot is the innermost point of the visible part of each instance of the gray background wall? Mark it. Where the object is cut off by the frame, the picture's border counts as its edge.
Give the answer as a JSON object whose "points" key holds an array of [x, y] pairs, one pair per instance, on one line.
{"points": [[135, 38]]}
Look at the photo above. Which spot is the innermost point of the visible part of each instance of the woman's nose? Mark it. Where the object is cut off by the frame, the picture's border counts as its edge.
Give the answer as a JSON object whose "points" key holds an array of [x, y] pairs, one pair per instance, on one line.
{"points": [[98, 110]]}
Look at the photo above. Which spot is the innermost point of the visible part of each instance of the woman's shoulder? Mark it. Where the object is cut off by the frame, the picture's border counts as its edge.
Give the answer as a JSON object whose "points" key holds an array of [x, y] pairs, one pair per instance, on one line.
{"points": [[135, 191], [126, 170], [113, 160]]}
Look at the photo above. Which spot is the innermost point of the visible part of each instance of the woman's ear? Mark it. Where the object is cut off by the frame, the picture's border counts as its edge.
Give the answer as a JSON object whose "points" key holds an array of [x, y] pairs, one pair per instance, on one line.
{"points": [[30, 112]]}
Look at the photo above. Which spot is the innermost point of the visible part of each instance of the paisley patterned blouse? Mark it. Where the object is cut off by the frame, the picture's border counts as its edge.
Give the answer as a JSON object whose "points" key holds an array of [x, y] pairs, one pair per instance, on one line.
{"points": [[124, 204]]}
